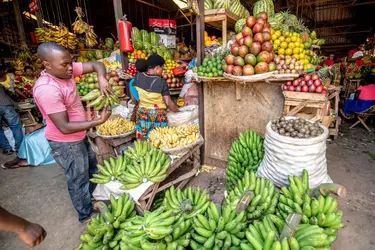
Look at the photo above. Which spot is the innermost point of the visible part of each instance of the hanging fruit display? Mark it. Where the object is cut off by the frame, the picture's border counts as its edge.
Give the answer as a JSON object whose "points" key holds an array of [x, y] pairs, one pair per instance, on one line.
{"points": [[58, 34], [81, 27], [253, 51]]}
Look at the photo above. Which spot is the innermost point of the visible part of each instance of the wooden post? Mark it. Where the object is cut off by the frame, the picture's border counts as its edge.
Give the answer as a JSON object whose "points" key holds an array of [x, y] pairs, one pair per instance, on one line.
{"points": [[225, 31], [117, 5], [18, 15], [200, 56], [39, 18]]}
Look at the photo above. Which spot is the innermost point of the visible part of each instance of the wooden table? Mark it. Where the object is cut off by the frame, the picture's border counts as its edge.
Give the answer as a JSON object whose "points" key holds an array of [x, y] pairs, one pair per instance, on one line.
{"points": [[146, 200], [334, 98]]}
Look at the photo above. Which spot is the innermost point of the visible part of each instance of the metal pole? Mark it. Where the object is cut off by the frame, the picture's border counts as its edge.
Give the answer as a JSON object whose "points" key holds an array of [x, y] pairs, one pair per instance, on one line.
{"points": [[118, 15]]}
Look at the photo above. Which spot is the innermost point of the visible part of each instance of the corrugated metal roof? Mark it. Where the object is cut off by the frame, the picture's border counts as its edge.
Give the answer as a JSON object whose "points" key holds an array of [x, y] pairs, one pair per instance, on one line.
{"points": [[334, 13]]}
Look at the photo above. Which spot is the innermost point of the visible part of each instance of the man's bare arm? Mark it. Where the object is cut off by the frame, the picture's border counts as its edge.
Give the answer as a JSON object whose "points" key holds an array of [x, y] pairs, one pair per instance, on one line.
{"points": [[99, 68], [61, 121], [32, 234]]}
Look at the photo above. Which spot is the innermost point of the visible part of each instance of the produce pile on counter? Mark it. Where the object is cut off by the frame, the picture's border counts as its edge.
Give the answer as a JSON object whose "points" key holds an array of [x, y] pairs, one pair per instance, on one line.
{"points": [[296, 128], [306, 83], [211, 67], [252, 52], [117, 126], [173, 137], [211, 40]]}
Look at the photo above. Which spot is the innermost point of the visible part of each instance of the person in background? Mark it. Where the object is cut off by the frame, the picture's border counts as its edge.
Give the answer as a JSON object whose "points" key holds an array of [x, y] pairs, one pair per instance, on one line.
{"points": [[330, 61], [9, 114], [57, 98], [8, 81], [351, 55], [30, 233], [154, 98], [141, 66], [364, 98], [34, 150], [26, 83]]}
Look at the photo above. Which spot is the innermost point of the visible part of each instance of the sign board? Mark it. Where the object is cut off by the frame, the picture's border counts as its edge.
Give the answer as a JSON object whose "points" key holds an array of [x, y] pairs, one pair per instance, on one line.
{"points": [[33, 6], [163, 26]]}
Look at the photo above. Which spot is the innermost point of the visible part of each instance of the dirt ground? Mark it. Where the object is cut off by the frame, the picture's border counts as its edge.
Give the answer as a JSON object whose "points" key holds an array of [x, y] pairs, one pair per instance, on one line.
{"points": [[39, 194]]}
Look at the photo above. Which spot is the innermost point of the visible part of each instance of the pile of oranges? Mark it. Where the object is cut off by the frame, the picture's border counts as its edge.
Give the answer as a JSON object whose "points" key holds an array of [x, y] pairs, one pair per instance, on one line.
{"points": [[208, 41], [136, 54]]}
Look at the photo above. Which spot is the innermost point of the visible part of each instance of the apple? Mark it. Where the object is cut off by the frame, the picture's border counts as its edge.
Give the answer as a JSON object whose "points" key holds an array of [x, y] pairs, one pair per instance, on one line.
{"points": [[295, 83], [291, 88], [307, 77], [298, 89], [285, 87], [317, 83], [304, 88], [310, 82], [319, 89], [312, 88], [314, 76], [302, 83], [288, 83]]}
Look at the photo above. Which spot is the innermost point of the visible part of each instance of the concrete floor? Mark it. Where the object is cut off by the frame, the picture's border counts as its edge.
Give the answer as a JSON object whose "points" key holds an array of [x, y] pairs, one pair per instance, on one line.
{"points": [[39, 194]]}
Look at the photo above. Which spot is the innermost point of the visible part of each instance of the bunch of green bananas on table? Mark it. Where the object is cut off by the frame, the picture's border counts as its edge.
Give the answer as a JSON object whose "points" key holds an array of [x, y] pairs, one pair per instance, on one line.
{"points": [[246, 153], [316, 208], [98, 101], [188, 203], [140, 150], [258, 196], [112, 169], [221, 228], [152, 167], [105, 231]]}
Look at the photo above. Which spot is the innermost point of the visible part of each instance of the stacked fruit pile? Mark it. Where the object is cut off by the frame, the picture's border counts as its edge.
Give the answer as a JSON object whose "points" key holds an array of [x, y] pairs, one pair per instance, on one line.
{"points": [[253, 50], [173, 81], [59, 34], [131, 70], [112, 66], [137, 54], [288, 65], [111, 170], [92, 55], [211, 67], [148, 43], [117, 126], [246, 153], [173, 137], [210, 40], [169, 66], [296, 128], [87, 83], [307, 83]]}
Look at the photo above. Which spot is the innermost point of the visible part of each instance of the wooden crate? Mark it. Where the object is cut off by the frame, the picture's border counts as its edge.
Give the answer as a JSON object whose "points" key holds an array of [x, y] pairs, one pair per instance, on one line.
{"points": [[221, 19], [296, 102], [146, 200]]}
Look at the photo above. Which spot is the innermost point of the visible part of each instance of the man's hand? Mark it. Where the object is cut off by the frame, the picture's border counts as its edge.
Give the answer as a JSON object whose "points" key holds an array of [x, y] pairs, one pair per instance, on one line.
{"points": [[105, 87], [105, 114], [32, 234]]}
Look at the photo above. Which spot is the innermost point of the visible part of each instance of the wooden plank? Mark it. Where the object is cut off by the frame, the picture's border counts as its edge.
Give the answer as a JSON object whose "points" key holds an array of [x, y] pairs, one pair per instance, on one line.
{"points": [[225, 31], [210, 19], [308, 104], [304, 96], [296, 109]]}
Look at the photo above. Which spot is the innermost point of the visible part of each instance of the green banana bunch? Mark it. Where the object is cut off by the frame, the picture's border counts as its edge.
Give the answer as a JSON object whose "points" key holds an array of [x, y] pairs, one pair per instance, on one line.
{"points": [[148, 231], [140, 150], [189, 202], [262, 236], [261, 200], [99, 101], [152, 167], [246, 153], [316, 208], [180, 237], [112, 169], [219, 229], [158, 201], [104, 231]]}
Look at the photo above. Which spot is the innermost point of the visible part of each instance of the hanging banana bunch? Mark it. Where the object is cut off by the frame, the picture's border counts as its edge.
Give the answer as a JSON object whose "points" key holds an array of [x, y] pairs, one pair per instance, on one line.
{"points": [[79, 26], [91, 37], [59, 34]]}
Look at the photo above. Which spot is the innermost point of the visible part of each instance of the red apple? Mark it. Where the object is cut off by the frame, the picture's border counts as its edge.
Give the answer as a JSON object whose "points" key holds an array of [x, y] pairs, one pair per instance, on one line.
{"points": [[305, 88], [319, 89], [307, 77], [314, 76], [295, 83], [310, 82], [288, 83], [302, 83], [312, 88], [291, 88], [298, 89], [317, 83], [285, 87]]}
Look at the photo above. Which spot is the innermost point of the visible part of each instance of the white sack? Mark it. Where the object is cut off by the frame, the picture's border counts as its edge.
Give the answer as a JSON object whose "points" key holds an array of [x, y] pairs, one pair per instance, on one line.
{"points": [[188, 115], [103, 191], [289, 156]]}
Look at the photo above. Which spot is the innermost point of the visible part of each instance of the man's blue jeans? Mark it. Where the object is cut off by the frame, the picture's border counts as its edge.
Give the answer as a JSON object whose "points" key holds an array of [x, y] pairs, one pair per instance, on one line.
{"points": [[10, 115], [78, 161]]}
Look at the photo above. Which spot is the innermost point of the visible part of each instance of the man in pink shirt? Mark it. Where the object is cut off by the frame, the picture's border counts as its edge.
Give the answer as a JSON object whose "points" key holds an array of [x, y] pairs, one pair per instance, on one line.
{"points": [[57, 98]]}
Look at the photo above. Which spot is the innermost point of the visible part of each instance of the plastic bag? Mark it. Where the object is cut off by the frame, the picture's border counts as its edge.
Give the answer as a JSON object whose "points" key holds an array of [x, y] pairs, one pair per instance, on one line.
{"points": [[187, 115], [289, 156]]}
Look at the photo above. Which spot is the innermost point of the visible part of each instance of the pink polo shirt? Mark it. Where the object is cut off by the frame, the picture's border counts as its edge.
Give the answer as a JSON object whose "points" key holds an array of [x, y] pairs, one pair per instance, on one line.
{"points": [[54, 95]]}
